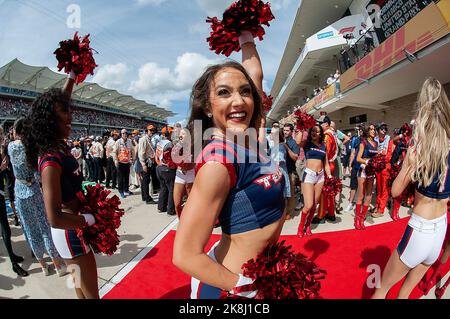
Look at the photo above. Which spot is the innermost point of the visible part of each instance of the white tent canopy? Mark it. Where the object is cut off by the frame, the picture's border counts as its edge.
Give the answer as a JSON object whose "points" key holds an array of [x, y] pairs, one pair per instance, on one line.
{"points": [[38, 79]]}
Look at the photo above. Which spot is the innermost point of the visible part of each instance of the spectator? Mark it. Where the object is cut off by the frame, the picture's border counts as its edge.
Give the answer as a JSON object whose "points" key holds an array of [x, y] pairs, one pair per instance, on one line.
{"points": [[330, 79], [293, 152], [368, 38], [146, 157], [123, 155], [166, 171]]}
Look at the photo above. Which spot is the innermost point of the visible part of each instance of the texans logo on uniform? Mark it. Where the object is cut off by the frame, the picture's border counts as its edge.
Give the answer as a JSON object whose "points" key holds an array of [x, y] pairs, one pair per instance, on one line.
{"points": [[269, 180]]}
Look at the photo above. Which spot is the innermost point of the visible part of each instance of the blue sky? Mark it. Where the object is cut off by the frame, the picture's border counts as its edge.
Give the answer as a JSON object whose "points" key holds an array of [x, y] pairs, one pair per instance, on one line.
{"points": [[151, 49]]}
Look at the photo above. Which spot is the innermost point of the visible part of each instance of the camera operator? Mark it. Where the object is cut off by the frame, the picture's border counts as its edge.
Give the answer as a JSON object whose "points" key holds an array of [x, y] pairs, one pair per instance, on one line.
{"points": [[368, 38]]}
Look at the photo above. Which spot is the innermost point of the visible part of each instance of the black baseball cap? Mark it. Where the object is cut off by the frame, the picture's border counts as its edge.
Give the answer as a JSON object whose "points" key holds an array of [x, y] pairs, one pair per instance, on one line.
{"points": [[380, 125], [324, 119]]}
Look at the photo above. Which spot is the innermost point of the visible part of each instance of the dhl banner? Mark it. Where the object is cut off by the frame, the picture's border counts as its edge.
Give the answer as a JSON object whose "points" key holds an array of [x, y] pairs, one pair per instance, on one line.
{"points": [[425, 28], [325, 95]]}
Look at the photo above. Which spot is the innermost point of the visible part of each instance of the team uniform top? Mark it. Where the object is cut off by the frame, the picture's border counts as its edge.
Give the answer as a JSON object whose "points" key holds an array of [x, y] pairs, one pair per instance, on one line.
{"points": [[255, 199], [435, 190], [369, 150], [71, 179], [312, 151]]}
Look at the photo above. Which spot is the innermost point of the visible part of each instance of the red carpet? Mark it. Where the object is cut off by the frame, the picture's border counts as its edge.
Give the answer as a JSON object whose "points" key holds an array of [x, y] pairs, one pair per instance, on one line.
{"points": [[345, 255]]}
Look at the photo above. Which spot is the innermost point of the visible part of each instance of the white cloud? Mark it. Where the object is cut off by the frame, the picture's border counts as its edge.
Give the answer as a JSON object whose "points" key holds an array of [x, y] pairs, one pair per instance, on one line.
{"points": [[217, 7], [150, 2], [214, 7], [111, 75], [154, 79], [279, 4]]}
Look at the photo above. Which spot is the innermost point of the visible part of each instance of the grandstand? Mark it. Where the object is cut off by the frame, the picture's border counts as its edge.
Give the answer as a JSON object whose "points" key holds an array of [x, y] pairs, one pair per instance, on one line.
{"points": [[97, 108]]}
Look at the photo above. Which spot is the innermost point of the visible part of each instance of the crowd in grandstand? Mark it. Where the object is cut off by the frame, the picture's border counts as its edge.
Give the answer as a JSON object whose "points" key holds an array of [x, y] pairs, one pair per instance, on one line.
{"points": [[14, 108]]}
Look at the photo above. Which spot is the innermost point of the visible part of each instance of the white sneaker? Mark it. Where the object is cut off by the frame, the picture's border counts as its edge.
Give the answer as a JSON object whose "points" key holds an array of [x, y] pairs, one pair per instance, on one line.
{"points": [[45, 270], [349, 208], [61, 271]]}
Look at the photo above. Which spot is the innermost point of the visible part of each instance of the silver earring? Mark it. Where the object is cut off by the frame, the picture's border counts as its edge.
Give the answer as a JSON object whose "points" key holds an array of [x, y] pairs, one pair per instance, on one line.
{"points": [[209, 115]]}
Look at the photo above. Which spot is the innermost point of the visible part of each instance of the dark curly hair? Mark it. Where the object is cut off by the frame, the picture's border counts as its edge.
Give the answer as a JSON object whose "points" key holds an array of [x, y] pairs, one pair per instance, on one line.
{"points": [[322, 134], [40, 132], [200, 99]]}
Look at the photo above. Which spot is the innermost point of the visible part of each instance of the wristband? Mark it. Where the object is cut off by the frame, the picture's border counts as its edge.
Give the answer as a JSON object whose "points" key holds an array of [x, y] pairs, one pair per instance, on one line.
{"points": [[72, 75], [89, 219], [245, 37]]}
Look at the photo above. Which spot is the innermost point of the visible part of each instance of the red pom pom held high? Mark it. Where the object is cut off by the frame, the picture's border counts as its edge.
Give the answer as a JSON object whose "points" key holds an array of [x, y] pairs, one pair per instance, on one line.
{"points": [[242, 15], [267, 102], [76, 55], [304, 121]]}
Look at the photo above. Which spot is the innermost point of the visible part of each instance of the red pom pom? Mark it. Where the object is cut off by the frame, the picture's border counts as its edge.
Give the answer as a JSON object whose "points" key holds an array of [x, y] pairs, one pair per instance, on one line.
{"points": [[243, 15], [393, 173], [76, 55], [406, 130], [332, 186], [376, 165], [279, 273], [102, 236], [267, 102], [304, 121]]}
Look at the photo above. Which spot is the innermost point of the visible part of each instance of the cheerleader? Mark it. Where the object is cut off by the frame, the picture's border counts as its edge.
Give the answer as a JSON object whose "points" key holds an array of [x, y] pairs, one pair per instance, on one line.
{"points": [[45, 128], [246, 195], [427, 165], [367, 150], [185, 174], [313, 176]]}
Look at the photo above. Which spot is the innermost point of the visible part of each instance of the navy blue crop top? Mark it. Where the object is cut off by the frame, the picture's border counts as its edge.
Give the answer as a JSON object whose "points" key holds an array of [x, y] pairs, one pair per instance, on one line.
{"points": [[369, 150], [71, 179], [256, 198], [312, 151], [435, 190]]}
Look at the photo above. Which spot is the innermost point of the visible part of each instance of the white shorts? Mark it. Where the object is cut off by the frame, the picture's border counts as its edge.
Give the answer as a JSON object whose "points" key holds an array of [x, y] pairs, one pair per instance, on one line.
{"points": [[201, 290], [311, 177], [422, 241], [68, 244], [362, 172], [187, 178]]}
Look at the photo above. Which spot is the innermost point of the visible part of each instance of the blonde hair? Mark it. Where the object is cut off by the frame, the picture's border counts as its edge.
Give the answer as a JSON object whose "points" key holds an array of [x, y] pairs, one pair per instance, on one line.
{"points": [[428, 155]]}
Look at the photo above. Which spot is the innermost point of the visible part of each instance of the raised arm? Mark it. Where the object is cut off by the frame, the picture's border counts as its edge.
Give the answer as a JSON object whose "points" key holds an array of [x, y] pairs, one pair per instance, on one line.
{"points": [[251, 60], [68, 86], [196, 223]]}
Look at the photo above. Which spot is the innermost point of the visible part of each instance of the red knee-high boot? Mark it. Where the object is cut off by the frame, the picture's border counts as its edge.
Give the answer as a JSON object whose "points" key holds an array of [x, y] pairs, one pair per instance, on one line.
{"points": [[309, 220], [395, 209], [357, 223], [439, 292], [425, 285], [363, 216], [301, 226]]}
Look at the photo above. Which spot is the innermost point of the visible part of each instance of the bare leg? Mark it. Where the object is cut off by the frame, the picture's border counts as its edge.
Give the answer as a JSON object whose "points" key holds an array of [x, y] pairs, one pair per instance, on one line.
{"points": [[411, 281], [178, 193], [368, 191], [395, 270], [88, 286]]}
